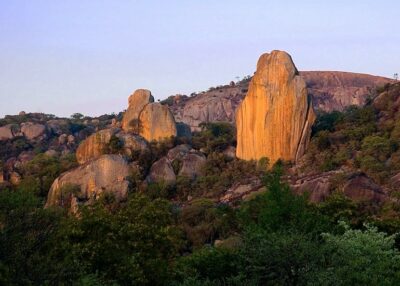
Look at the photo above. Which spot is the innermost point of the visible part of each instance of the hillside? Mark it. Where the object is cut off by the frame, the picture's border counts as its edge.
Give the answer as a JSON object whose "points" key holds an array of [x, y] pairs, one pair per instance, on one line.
{"points": [[90, 201], [330, 91]]}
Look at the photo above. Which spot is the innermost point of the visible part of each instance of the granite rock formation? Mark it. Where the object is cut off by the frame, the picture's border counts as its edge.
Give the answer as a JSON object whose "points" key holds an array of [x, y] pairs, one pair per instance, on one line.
{"points": [[107, 173], [137, 101], [33, 130], [148, 119], [275, 118], [96, 144], [330, 90]]}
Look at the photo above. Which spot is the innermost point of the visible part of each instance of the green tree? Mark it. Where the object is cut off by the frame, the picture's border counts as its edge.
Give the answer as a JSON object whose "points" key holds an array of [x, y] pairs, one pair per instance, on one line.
{"points": [[132, 246], [361, 257]]}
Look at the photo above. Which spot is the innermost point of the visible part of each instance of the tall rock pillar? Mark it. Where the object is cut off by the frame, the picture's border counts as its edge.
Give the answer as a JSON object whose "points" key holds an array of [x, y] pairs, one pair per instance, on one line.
{"points": [[274, 120]]}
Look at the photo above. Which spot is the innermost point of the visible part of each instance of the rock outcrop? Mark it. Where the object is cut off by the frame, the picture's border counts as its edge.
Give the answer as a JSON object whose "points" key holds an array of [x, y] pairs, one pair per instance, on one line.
{"points": [[94, 146], [337, 90], [181, 160], [359, 187], [275, 118], [162, 172], [97, 144], [148, 119], [86, 183], [7, 132], [330, 90], [33, 130], [156, 122], [137, 101], [192, 164]]}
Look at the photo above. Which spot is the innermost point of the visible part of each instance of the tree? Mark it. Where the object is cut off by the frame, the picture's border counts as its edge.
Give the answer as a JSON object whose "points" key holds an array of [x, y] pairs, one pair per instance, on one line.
{"points": [[361, 257], [132, 246], [77, 116]]}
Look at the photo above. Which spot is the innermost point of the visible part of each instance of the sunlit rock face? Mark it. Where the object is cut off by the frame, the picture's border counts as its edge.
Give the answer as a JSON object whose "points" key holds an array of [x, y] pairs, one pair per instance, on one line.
{"points": [[97, 144], [148, 119], [137, 101], [106, 174], [93, 146], [156, 122], [275, 118]]}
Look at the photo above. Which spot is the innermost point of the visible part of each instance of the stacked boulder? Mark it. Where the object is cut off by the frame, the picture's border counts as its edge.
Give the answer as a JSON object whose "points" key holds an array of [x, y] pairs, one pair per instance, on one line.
{"points": [[180, 161], [30, 130], [100, 172], [148, 119]]}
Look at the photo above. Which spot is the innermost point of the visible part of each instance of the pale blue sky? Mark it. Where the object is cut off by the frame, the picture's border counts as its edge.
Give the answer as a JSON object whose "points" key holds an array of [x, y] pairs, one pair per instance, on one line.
{"points": [[86, 56]]}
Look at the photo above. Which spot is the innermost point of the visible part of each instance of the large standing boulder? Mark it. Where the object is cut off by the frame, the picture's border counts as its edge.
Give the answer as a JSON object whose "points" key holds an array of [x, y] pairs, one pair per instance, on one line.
{"points": [[137, 101], [95, 145], [156, 122], [274, 120], [150, 120], [162, 172], [108, 173], [32, 130], [192, 164]]}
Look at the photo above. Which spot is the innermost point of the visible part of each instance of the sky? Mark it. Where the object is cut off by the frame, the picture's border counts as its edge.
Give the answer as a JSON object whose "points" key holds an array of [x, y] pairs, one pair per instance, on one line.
{"points": [[63, 57]]}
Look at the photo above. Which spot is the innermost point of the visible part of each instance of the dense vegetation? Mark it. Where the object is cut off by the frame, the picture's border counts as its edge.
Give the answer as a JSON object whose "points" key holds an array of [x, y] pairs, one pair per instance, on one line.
{"points": [[276, 238], [365, 138]]}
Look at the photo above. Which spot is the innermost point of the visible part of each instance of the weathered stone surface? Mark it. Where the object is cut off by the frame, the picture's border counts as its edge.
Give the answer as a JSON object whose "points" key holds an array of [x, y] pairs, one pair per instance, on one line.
{"points": [[178, 152], [192, 165], [150, 120], [337, 90], [361, 188], [217, 107], [318, 186], [275, 118], [156, 122], [330, 90], [132, 142], [137, 101], [107, 173], [240, 191], [162, 171], [95, 145], [32, 130], [7, 131]]}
